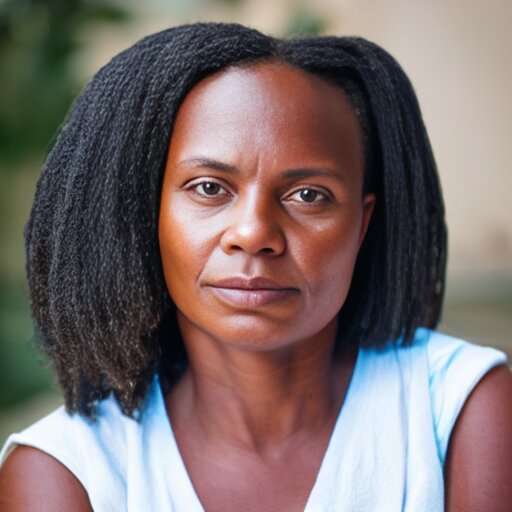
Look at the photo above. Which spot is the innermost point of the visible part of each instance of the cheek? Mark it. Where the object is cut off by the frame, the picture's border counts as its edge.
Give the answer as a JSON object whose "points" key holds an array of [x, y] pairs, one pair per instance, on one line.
{"points": [[329, 266], [183, 250]]}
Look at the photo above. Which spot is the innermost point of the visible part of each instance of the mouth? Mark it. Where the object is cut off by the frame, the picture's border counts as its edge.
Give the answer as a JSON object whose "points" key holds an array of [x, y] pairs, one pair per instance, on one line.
{"points": [[256, 291]]}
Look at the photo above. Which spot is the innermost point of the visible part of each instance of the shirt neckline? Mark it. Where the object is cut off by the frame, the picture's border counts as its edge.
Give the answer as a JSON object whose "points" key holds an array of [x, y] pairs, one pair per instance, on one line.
{"points": [[316, 498], [181, 487]]}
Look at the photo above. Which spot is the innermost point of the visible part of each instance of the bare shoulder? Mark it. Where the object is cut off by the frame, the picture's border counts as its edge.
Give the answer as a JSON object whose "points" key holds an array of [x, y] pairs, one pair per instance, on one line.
{"points": [[31, 480], [478, 470]]}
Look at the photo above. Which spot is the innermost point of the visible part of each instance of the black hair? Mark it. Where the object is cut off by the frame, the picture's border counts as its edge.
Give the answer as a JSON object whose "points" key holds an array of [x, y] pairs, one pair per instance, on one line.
{"points": [[96, 286]]}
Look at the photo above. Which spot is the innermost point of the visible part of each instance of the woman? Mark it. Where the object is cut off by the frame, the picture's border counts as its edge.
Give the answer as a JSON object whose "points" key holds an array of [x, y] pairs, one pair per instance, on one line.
{"points": [[264, 280]]}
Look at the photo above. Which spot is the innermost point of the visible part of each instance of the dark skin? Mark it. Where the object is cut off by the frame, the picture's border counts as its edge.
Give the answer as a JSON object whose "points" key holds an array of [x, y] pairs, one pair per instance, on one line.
{"points": [[276, 196], [261, 219]]}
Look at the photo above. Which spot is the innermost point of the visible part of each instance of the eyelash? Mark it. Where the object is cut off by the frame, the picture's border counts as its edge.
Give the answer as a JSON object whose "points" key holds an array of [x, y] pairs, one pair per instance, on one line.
{"points": [[196, 184], [324, 196]]}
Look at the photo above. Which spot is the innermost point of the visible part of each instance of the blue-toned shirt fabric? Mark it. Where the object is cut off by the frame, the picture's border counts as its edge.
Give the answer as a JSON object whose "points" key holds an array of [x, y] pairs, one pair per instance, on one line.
{"points": [[386, 452]]}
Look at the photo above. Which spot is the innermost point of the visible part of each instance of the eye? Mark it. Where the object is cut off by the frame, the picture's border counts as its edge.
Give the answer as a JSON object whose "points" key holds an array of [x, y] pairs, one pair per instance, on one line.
{"points": [[308, 195], [207, 188]]}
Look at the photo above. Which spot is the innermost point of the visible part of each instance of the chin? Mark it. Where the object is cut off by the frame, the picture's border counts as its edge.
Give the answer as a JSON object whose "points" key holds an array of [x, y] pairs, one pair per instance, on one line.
{"points": [[257, 335]]}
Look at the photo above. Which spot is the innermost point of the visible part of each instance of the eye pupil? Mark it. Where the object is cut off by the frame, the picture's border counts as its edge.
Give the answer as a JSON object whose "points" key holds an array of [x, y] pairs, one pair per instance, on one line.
{"points": [[308, 195], [211, 188]]}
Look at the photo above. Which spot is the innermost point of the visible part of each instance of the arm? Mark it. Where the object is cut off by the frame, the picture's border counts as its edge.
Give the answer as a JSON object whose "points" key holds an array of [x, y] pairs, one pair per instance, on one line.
{"points": [[31, 480], [478, 470]]}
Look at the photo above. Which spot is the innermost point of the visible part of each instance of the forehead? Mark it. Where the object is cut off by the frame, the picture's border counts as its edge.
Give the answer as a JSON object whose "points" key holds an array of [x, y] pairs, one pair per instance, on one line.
{"points": [[268, 110]]}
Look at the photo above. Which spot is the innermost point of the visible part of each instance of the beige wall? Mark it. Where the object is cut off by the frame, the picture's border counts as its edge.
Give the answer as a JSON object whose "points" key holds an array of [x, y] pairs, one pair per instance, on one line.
{"points": [[457, 54]]}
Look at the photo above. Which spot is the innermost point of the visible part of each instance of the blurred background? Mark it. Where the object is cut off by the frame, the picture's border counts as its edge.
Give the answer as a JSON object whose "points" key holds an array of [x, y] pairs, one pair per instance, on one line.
{"points": [[457, 55]]}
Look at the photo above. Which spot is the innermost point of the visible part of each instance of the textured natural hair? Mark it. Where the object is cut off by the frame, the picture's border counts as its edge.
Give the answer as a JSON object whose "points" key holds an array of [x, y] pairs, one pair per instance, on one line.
{"points": [[97, 291]]}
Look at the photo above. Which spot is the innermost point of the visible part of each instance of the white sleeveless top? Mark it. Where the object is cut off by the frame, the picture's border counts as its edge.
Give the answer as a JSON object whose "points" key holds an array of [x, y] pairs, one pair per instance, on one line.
{"points": [[386, 452]]}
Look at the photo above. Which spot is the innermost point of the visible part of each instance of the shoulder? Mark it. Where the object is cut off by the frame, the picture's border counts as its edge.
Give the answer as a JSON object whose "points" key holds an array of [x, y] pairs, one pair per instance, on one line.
{"points": [[62, 455], [470, 391], [478, 470], [471, 395], [450, 364], [446, 370], [445, 353], [73, 439], [32, 480], [455, 367]]}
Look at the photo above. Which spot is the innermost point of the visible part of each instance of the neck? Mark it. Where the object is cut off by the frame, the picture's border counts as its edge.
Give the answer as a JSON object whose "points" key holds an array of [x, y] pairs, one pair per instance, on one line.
{"points": [[260, 399]]}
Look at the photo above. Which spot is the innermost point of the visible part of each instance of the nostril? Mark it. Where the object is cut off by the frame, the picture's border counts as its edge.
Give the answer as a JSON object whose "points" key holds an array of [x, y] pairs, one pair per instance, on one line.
{"points": [[253, 237], [265, 250]]}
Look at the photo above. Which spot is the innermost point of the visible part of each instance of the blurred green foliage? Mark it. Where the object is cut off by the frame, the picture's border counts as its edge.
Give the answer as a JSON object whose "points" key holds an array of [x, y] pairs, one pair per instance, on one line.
{"points": [[38, 41], [305, 22], [230, 2], [23, 371]]}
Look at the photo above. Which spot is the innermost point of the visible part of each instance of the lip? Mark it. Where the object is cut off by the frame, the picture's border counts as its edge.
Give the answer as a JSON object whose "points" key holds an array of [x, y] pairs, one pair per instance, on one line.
{"points": [[254, 291]]}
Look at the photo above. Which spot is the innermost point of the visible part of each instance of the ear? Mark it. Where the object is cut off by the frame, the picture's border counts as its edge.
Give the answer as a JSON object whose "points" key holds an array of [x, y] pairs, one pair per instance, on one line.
{"points": [[368, 207]]}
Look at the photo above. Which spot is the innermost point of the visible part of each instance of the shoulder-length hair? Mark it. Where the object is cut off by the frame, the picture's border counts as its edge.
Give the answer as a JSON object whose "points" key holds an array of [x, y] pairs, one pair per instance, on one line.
{"points": [[96, 285]]}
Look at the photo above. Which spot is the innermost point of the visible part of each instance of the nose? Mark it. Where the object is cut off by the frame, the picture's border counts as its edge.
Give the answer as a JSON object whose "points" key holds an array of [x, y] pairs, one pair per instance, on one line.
{"points": [[254, 228]]}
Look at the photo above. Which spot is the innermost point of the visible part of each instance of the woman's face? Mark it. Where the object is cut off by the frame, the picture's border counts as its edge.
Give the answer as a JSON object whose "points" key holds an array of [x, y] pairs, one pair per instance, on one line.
{"points": [[262, 213]]}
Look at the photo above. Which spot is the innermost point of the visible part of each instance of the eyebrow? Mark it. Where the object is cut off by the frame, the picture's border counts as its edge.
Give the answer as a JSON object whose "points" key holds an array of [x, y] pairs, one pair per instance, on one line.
{"points": [[209, 163], [297, 173], [311, 173]]}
